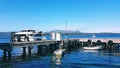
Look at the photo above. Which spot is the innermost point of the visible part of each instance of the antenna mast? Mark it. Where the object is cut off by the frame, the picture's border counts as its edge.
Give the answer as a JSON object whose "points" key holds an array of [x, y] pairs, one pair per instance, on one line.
{"points": [[66, 28]]}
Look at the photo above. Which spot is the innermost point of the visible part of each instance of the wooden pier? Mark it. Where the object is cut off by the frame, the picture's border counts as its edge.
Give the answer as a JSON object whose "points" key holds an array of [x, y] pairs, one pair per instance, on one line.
{"points": [[7, 47], [106, 40], [106, 43], [33, 43]]}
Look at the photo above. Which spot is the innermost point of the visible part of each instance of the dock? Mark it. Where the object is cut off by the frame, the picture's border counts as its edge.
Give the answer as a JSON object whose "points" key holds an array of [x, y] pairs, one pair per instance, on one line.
{"points": [[106, 40], [54, 44], [7, 47]]}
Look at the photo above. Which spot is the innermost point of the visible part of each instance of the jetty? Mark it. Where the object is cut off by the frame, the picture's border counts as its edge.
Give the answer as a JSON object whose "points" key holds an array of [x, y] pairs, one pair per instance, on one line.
{"points": [[115, 40], [7, 47], [54, 43]]}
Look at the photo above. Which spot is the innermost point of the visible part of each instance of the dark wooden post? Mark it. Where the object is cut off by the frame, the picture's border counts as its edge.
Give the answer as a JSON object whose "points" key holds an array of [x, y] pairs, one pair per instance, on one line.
{"points": [[48, 48], [45, 49], [40, 47], [29, 51], [24, 51], [4, 56], [9, 55], [82, 44], [51, 48]]}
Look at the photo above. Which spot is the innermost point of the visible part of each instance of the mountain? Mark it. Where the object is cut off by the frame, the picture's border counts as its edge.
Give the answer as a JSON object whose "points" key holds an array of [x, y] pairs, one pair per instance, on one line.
{"points": [[64, 31], [5, 33]]}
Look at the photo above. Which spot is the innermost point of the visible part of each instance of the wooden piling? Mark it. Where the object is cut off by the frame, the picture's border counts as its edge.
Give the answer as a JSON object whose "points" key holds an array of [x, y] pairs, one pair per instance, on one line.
{"points": [[39, 49], [4, 55], [29, 51], [9, 55], [24, 52], [82, 44]]}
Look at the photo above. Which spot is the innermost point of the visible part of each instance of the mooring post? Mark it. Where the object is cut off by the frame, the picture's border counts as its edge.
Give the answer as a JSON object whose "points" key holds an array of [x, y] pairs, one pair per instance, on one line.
{"points": [[48, 49], [29, 51], [51, 48], [9, 55], [45, 48], [4, 56], [24, 51], [82, 44], [60, 45], [40, 48]]}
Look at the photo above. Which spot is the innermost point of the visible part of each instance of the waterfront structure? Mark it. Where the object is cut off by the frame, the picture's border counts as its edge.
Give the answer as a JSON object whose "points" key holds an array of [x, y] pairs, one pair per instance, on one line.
{"points": [[53, 36], [25, 35], [56, 36], [55, 44]]}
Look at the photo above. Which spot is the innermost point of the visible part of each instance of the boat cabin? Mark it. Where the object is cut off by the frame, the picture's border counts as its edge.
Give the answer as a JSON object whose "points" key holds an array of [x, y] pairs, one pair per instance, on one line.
{"points": [[26, 35]]}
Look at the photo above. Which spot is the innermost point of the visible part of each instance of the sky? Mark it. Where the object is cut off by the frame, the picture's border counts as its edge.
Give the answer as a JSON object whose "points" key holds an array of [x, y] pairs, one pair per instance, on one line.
{"points": [[92, 16]]}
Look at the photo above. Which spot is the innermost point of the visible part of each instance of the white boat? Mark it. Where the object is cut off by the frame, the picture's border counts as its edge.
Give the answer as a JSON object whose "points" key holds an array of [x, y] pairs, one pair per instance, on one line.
{"points": [[93, 36], [59, 52], [93, 47], [25, 35]]}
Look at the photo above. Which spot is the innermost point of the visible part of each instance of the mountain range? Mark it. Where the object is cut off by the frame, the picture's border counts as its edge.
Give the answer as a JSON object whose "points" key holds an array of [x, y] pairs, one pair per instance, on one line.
{"points": [[64, 31]]}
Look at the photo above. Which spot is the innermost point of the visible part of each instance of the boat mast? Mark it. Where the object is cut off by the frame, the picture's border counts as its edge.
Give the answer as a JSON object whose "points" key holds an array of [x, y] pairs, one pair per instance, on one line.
{"points": [[66, 28]]}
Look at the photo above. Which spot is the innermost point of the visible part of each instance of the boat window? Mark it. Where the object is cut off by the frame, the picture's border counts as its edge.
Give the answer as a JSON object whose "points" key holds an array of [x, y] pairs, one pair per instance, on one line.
{"points": [[28, 31], [21, 35], [31, 35]]}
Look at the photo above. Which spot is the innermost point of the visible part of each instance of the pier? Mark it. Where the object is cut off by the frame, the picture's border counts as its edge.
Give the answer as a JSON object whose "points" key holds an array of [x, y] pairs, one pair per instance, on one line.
{"points": [[54, 44], [115, 40], [67, 43], [7, 47], [106, 43]]}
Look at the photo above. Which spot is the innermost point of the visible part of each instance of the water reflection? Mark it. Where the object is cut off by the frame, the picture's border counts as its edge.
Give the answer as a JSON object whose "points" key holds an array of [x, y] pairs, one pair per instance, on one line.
{"points": [[91, 51], [56, 61]]}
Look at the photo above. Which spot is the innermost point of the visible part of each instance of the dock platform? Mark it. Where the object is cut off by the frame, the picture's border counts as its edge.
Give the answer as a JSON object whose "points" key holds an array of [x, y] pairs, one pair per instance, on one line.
{"points": [[106, 40], [7, 47]]}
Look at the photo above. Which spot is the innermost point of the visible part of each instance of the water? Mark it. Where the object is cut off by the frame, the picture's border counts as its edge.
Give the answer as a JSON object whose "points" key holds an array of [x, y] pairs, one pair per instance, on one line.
{"points": [[73, 58], [76, 58], [84, 35]]}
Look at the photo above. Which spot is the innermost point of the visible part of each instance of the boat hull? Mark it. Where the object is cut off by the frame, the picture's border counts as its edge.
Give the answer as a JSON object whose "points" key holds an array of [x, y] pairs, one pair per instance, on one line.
{"points": [[93, 47], [59, 52]]}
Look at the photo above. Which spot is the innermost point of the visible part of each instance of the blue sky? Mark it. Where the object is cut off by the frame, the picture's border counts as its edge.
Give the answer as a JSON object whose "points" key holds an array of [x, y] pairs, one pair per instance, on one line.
{"points": [[46, 15]]}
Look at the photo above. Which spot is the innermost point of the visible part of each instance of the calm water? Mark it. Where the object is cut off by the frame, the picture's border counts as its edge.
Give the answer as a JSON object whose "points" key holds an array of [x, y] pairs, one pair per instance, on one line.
{"points": [[73, 58]]}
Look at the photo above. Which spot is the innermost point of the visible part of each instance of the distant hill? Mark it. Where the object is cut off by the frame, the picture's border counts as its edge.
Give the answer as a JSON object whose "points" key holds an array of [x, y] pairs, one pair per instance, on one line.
{"points": [[64, 31], [78, 32], [5, 33]]}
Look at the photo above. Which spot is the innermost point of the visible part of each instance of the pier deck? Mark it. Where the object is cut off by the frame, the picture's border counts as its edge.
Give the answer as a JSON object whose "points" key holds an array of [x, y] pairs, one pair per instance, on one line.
{"points": [[9, 46], [42, 44], [115, 40], [33, 43]]}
